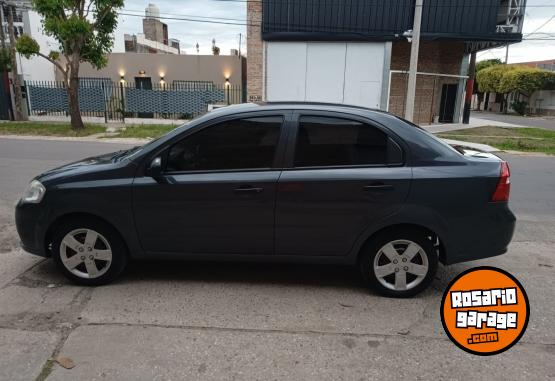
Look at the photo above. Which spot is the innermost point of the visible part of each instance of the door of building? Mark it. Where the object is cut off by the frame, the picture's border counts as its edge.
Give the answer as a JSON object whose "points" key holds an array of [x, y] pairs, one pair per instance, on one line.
{"points": [[335, 72], [448, 101], [144, 83]]}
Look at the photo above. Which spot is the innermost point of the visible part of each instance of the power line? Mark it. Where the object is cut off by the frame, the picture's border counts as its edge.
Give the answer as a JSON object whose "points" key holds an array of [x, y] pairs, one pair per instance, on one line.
{"points": [[318, 2], [189, 19], [184, 15], [241, 22], [544, 24]]}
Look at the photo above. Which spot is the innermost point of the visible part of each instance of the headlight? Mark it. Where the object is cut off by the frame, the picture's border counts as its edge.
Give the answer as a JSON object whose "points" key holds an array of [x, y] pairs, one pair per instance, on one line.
{"points": [[34, 193]]}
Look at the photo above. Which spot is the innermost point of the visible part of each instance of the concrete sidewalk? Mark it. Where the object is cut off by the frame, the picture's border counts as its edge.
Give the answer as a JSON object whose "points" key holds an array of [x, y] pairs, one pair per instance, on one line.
{"points": [[474, 122]]}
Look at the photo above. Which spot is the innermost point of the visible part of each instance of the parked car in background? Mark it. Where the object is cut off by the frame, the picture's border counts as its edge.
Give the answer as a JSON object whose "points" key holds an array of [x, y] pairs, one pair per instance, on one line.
{"points": [[287, 182]]}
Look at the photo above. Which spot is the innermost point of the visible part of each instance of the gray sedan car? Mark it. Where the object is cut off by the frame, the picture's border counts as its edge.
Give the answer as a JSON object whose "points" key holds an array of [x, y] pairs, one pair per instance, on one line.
{"points": [[293, 182]]}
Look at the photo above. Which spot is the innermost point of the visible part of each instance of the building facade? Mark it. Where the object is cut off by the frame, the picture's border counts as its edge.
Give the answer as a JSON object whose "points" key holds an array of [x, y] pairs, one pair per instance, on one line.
{"points": [[155, 36], [168, 68], [356, 52], [29, 22]]}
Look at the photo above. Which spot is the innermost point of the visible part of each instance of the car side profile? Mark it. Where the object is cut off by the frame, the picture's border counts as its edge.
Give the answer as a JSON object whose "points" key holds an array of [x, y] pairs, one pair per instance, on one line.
{"points": [[287, 182]]}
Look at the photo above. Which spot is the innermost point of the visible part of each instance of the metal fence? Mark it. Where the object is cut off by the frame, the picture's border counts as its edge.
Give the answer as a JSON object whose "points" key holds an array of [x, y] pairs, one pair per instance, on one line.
{"points": [[100, 97]]}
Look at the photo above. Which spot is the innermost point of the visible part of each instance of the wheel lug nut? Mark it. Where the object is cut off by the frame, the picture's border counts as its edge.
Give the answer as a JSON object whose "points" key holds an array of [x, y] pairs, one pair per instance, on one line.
{"points": [[89, 248], [406, 268], [396, 269], [80, 249], [395, 261], [404, 259]]}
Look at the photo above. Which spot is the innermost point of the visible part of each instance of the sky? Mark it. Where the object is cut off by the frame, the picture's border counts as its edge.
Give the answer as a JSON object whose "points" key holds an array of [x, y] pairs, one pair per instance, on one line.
{"points": [[227, 36], [538, 12], [189, 33]]}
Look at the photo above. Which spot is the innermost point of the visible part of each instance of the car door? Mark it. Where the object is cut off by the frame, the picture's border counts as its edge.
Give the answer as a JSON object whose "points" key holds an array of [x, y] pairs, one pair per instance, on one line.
{"points": [[342, 176], [217, 192]]}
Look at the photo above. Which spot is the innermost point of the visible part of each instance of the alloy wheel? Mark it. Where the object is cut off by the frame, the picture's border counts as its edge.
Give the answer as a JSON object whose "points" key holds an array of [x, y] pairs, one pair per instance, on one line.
{"points": [[86, 253], [400, 265]]}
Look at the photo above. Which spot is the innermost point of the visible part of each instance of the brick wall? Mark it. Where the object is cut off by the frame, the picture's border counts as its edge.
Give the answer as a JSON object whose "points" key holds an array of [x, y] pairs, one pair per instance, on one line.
{"points": [[435, 57], [255, 59]]}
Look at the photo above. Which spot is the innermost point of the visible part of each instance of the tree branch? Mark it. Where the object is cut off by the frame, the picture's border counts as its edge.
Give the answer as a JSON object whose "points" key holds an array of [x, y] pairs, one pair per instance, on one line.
{"points": [[58, 65], [88, 8], [106, 10]]}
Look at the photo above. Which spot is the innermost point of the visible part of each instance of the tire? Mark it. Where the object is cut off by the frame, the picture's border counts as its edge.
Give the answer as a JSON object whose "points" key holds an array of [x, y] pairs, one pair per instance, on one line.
{"points": [[78, 253], [416, 262]]}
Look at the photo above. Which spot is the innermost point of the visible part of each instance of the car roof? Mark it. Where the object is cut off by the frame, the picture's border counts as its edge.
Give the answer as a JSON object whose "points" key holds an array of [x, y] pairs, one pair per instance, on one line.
{"points": [[314, 106]]}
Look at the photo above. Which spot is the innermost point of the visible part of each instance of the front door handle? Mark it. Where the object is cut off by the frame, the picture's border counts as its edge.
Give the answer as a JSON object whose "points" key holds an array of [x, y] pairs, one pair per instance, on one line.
{"points": [[248, 189], [378, 187]]}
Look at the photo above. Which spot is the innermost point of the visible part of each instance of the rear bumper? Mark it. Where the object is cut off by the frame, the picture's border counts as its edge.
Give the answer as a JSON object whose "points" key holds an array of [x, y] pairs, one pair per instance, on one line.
{"points": [[486, 236]]}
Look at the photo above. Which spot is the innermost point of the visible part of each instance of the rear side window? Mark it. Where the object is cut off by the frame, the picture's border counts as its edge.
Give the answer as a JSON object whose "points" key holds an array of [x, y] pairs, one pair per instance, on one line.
{"points": [[232, 145], [325, 141]]}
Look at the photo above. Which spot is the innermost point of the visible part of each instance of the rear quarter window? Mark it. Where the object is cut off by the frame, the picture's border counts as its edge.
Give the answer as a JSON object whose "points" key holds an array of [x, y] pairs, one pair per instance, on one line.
{"points": [[327, 141]]}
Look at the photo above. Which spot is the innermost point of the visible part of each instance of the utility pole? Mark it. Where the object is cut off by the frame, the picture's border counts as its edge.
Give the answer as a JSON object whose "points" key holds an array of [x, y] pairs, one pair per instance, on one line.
{"points": [[18, 112], [240, 38], [2, 36], [415, 47], [507, 54], [469, 88]]}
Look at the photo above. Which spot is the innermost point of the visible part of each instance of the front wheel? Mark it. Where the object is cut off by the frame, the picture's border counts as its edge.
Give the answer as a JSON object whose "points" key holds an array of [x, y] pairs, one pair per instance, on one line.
{"points": [[399, 264], [88, 252]]}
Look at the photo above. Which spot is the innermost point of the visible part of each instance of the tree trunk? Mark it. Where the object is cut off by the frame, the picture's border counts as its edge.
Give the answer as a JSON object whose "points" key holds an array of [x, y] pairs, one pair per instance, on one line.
{"points": [[480, 97], [18, 112], [73, 96], [505, 103]]}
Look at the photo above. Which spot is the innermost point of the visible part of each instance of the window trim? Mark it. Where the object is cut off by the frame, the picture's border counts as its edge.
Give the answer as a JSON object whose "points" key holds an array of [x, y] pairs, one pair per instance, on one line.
{"points": [[289, 163], [278, 155]]}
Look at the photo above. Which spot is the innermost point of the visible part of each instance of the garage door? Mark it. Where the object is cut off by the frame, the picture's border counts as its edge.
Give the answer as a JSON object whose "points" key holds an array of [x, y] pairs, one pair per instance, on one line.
{"points": [[349, 73]]}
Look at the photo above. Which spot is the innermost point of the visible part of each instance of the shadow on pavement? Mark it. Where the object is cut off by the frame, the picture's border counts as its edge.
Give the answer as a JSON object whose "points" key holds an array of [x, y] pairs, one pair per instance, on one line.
{"points": [[239, 272]]}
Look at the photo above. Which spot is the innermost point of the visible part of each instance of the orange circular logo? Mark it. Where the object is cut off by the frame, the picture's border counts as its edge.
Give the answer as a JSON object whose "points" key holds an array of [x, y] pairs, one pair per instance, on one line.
{"points": [[485, 311]]}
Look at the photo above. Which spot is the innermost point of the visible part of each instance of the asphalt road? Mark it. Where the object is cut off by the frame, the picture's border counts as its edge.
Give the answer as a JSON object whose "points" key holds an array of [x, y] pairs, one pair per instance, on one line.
{"points": [[539, 122], [235, 321]]}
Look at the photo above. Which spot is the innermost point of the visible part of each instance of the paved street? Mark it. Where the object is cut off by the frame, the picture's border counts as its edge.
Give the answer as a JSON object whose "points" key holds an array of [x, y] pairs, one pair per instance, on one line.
{"points": [[249, 321], [539, 122]]}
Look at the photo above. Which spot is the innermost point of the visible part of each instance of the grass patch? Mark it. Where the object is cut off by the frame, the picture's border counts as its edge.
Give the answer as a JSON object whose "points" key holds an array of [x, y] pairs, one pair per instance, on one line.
{"points": [[145, 131], [46, 370], [507, 139], [48, 129]]}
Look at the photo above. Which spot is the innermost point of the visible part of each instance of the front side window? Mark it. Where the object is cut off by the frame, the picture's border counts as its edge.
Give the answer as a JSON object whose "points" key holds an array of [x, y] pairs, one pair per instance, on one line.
{"points": [[325, 141], [236, 144]]}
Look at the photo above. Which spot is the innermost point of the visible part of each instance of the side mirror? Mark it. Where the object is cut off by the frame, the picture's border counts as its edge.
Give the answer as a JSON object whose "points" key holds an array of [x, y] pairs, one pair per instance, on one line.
{"points": [[154, 170]]}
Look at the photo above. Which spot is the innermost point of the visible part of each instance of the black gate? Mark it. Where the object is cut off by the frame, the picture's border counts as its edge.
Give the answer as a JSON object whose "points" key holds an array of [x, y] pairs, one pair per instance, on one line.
{"points": [[5, 99]]}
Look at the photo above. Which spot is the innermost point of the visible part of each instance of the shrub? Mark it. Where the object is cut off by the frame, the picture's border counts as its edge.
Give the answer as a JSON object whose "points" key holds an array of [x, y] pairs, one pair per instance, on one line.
{"points": [[519, 107]]}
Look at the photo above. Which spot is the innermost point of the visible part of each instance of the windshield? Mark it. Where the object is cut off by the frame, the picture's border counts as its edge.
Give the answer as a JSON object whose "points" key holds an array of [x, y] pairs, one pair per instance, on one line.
{"points": [[128, 154]]}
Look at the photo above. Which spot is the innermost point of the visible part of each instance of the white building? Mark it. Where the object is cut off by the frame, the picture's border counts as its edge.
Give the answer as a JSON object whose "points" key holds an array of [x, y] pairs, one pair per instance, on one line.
{"points": [[29, 22]]}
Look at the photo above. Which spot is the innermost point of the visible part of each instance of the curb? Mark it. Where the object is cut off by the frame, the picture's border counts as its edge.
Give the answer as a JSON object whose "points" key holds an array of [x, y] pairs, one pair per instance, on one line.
{"points": [[83, 139]]}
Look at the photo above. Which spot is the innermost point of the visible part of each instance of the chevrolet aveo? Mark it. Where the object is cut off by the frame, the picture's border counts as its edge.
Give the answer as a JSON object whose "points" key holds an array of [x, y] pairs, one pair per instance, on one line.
{"points": [[291, 182]]}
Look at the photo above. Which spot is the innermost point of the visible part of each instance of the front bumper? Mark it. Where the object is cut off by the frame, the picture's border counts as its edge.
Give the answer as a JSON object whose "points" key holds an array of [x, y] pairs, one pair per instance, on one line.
{"points": [[31, 227]]}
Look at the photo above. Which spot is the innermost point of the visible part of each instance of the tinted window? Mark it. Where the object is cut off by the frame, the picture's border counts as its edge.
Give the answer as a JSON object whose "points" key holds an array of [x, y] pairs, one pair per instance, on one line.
{"points": [[235, 144], [323, 141]]}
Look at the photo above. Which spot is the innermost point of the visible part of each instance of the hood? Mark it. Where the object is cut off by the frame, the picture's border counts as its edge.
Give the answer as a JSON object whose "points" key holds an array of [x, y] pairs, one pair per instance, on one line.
{"points": [[84, 166]]}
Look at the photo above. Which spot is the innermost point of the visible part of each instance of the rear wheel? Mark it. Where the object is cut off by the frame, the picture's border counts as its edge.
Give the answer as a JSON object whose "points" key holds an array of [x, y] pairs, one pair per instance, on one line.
{"points": [[399, 264], [88, 252]]}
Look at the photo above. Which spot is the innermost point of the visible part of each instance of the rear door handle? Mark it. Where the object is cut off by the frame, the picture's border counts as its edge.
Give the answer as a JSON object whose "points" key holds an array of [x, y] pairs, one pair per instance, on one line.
{"points": [[248, 189], [378, 187]]}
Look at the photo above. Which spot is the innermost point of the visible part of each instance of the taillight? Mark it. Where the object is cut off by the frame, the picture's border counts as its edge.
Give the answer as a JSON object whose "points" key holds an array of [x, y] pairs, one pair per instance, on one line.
{"points": [[503, 188]]}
